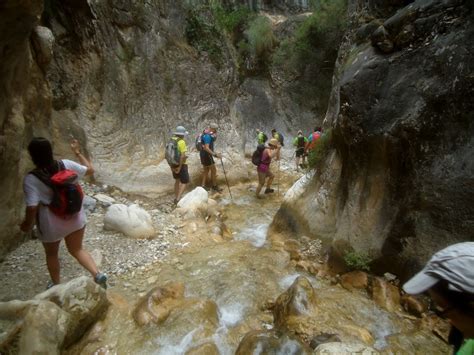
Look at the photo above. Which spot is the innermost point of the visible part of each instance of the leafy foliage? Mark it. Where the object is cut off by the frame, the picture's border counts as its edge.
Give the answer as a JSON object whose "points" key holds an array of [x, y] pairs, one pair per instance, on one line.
{"points": [[232, 20], [316, 39], [357, 260], [257, 46], [203, 34], [320, 150]]}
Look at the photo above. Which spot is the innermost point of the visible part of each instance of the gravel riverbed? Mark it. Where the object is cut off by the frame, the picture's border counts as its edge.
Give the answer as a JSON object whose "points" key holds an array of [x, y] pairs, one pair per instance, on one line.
{"points": [[24, 272]]}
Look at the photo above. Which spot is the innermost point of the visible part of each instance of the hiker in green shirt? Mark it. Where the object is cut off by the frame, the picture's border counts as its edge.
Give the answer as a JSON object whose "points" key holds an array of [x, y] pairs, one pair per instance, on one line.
{"points": [[300, 142], [449, 279], [261, 137]]}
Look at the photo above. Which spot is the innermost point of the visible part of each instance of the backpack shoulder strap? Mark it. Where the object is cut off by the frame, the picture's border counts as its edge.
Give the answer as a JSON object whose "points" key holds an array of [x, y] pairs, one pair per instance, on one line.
{"points": [[61, 165], [42, 176]]}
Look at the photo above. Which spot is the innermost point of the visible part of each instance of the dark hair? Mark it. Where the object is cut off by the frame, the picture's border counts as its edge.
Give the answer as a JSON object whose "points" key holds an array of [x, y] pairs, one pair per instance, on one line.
{"points": [[318, 129], [41, 152], [462, 300], [274, 130]]}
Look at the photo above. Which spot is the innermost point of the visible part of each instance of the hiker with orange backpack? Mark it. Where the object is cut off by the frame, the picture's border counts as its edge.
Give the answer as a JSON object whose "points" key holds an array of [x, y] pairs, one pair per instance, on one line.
{"points": [[54, 203], [313, 139]]}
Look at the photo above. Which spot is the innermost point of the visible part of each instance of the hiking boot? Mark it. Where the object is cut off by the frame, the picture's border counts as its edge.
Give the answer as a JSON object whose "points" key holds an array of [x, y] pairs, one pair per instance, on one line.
{"points": [[269, 191], [50, 284], [101, 280], [216, 189], [175, 202]]}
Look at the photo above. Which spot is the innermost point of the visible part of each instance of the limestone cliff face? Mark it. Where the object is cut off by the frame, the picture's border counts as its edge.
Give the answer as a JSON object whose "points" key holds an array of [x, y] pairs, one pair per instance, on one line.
{"points": [[397, 181], [119, 75]]}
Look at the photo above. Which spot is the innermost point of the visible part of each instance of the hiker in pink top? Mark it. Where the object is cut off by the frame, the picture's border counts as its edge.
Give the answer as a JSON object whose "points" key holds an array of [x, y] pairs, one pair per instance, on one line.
{"points": [[263, 169]]}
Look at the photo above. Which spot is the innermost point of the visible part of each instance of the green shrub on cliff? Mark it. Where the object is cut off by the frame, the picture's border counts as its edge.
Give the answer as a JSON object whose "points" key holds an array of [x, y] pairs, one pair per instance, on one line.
{"points": [[320, 150], [257, 46], [357, 260], [232, 20], [317, 38], [203, 34]]}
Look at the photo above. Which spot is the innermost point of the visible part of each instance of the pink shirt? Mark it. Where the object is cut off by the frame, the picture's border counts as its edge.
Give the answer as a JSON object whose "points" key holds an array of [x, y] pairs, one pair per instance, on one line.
{"points": [[265, 163]]}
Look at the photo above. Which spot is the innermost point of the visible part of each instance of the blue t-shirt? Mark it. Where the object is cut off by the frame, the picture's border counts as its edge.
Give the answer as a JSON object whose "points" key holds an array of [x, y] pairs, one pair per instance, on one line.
{"points": [[208, 139]]}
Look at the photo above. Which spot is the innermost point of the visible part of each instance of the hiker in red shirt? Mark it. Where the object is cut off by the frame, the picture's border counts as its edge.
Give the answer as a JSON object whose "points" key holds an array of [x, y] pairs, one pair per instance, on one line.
{"points": [[313, 139]]}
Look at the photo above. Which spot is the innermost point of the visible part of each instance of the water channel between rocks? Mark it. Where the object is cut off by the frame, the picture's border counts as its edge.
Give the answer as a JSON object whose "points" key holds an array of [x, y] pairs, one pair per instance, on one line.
{"points": [[240, 275]]}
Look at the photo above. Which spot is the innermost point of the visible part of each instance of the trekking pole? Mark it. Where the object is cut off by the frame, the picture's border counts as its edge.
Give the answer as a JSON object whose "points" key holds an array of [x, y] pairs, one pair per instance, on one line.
{"points": [[227, 181], [278, 186]]}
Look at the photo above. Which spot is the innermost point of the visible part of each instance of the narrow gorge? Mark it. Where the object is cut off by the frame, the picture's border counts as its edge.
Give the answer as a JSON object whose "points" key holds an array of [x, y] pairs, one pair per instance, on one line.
{"points": [[313, 268]]}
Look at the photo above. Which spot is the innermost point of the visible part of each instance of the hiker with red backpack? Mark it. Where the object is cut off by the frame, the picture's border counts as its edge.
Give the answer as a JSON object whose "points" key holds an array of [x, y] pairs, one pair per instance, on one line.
{"points": [[262, 157], [313, 139], [299, 143], [53, 200]]}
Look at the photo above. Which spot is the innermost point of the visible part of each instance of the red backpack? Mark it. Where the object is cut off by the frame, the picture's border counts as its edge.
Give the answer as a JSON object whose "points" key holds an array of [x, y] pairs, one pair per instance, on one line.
{"points": [[67, 193], [315, 137]]}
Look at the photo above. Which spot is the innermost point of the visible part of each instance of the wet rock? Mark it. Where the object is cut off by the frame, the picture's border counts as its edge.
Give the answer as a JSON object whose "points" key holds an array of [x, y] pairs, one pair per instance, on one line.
{"points": [[385, 294], [204, 349], [83, 300], [45, 329], [299, 300], [344, 348], [440, 327], [54, 319], [414, 305], [355, 280], [157, 304], [43, 41], [132, 221], [270, 342]]}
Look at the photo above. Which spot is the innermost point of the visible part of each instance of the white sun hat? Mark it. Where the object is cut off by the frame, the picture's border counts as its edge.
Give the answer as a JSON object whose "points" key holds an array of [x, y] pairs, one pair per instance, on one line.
{"points": [[454, 264]]}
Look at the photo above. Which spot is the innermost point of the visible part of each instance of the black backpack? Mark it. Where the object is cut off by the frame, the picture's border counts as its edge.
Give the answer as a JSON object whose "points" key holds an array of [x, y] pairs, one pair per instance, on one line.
{"points": [[300, 142], [265, 138], [281, 139], [257, 155]]}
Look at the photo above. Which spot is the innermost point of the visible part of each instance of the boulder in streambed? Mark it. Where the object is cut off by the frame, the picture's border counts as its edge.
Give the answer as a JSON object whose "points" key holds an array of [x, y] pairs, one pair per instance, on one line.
{"points": [[344, 348], [194, 200], [132, 221], [270, 342], [299, 300], [355, 280], [54, 319], [157, 304], [385, 294], [104, 200]]}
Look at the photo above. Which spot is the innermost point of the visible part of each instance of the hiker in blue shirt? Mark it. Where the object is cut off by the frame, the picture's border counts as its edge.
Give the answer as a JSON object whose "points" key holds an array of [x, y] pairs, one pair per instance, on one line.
{"points": [[207, 155]]}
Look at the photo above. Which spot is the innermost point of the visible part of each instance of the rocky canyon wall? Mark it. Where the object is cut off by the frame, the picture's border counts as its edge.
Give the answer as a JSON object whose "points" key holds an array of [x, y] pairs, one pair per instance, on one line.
{"points": [[396, 180]]}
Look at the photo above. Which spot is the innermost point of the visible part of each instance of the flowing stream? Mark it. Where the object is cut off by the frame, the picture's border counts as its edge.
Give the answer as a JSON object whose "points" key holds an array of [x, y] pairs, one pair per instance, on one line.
{"points": [[239, 276]]}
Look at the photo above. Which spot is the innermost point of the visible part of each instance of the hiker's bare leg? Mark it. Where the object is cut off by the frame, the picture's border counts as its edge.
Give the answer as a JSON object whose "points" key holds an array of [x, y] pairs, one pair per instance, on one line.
{"points": [[213, 174], [269, 181], [74, 246], [205, 173], [297, 163], [180, 190], [52, 260], [176, 188], [261, 182]]}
